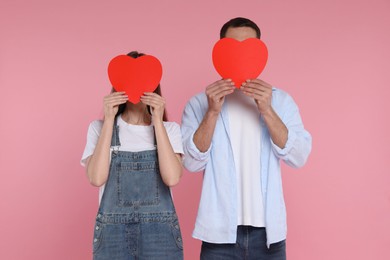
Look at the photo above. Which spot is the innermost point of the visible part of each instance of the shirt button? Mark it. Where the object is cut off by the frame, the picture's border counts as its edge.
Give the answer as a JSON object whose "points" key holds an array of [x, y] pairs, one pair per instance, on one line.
{"points": [[95, 240], [177, 226], [97, 227], [179, 239]]}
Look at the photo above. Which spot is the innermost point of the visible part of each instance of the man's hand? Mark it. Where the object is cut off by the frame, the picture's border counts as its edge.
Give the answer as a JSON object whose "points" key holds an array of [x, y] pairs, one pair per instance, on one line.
{"points": [[216, 93], [261, 91]]}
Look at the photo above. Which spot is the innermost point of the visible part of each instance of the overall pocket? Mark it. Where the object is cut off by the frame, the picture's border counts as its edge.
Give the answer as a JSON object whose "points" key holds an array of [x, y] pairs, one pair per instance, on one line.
{"points": [[137, 184]]}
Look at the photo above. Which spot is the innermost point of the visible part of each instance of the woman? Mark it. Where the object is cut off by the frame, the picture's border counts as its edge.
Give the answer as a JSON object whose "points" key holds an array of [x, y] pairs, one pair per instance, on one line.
{"points": [[135, 156]]}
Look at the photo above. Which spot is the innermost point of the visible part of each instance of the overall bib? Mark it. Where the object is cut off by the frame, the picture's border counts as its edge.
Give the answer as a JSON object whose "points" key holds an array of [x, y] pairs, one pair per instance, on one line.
{"points": [[136, 217]]}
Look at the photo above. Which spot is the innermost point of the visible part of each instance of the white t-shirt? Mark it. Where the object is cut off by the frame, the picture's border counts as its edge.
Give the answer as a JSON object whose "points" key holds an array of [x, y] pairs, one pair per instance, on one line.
{"points": [[133, 138], [245, 136]]}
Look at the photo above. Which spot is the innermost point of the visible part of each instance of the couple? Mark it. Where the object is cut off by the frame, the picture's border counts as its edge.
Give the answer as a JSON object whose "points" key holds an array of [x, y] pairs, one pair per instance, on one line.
{"points": [[236, 136]]}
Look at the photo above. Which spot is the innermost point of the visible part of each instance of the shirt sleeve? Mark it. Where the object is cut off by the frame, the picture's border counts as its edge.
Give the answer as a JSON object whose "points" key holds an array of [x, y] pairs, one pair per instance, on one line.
{"points": [[299, 141], [194, 160], [93, 134], [174, 134]]}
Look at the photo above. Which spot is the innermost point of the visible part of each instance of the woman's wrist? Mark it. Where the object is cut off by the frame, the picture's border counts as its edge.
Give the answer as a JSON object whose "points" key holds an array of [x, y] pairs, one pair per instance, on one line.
{"points": [[108, 120], [158, 122]]}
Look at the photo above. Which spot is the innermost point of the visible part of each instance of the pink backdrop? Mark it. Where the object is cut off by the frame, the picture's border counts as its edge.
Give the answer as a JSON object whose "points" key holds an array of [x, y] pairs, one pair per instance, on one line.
{"points": [[331, 56]]}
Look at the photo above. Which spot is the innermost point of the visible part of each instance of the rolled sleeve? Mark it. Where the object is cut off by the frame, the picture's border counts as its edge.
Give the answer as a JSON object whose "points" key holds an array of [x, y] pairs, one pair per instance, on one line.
{"points": [[299, 141], [194, 160], [282, 152], [297, 149], [194, 152]]}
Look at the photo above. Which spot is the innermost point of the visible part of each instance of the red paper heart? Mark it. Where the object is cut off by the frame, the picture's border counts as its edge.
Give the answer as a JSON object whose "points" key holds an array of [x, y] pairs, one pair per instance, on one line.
{"points": [[239, 61], [135, 76]]}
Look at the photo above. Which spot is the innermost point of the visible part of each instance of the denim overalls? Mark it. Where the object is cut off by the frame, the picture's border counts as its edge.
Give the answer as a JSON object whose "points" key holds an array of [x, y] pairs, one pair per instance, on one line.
{"points": [[136, 218]]}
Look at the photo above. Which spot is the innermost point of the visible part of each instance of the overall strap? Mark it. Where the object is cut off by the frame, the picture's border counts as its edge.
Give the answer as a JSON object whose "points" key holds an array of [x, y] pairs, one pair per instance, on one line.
{"points": [[115, 142], [115, 134]]}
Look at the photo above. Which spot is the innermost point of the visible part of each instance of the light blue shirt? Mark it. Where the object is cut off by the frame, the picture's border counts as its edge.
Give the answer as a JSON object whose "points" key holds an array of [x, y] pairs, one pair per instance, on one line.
{"points": [[216, 221]]}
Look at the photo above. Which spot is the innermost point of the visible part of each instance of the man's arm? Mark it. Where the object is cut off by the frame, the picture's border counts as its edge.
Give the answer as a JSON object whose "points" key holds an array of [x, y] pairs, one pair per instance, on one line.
{"points": [[261, 91], [197, 136], [290, 141], [215, 93]]}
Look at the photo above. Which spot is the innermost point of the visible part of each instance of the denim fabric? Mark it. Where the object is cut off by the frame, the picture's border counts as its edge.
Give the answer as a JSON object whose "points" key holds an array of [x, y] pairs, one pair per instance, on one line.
{"points": [[251, 244], [136, 218]]}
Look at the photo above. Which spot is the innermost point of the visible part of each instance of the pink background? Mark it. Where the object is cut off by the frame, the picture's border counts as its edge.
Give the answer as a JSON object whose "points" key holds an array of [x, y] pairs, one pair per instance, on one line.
{"points": [[331, 56]]}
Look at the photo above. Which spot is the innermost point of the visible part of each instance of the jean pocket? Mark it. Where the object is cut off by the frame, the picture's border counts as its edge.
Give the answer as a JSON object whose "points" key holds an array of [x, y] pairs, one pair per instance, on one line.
{"points": [[97, 236], [138, 184], [177, 233]]}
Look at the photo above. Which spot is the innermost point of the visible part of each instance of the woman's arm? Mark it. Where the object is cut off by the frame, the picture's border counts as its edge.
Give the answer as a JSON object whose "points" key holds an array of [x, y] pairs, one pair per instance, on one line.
{"points": [[170, 163], [97, 165]]}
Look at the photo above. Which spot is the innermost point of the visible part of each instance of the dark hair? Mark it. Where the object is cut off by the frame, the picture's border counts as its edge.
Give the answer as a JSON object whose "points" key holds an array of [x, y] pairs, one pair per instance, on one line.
{"points": [[122, 107], [239, 22]]}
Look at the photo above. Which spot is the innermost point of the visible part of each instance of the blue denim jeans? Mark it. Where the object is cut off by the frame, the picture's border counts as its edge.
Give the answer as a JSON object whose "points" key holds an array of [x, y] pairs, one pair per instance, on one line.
{"points": [[251, 244]]}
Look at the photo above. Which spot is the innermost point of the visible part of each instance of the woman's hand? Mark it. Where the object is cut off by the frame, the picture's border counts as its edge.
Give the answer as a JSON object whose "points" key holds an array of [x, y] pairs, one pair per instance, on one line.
{"points": [[169, 162], [98, 163], [156, 103], [111, 104]]}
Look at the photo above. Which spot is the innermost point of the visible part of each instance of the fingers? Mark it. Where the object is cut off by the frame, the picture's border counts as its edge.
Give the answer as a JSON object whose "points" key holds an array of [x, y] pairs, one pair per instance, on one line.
{"points": [[259, 98], [259, 82], [115, 99], [152, 94], [257, 87], [260, 91], [257, 94], [116, 96], [152, 99], [150, 102], [156, 102], [218, 96], [220, 89], [117, 93], [116, 103], [111, 108], [111, 103], [224, 83]]}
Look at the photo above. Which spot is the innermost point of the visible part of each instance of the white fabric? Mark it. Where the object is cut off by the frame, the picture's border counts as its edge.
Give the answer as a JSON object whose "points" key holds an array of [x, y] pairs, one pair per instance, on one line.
{"points": [[245, 137], [133, 138]]}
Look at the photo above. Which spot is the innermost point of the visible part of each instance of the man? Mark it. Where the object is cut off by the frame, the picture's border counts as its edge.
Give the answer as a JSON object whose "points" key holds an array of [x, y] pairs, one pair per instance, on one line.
{"points": [[237, 137]]}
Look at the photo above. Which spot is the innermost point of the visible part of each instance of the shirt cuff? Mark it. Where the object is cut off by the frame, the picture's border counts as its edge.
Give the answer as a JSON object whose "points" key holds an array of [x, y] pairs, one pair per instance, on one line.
{"points": [[194, 151], [281, 152]]}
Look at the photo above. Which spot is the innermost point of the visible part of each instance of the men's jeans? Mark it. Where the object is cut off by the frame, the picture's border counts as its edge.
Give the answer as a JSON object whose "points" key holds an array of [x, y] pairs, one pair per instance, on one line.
{"points": [[251, 244]]}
